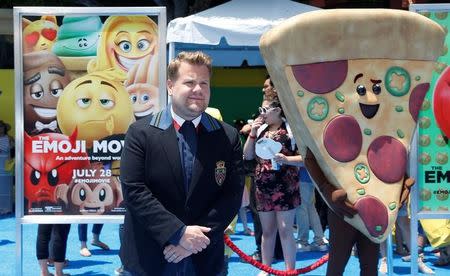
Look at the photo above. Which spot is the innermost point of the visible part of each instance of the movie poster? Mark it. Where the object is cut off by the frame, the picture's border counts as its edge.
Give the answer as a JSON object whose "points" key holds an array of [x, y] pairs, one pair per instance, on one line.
{"points": [[434, 131], [86, 79]]}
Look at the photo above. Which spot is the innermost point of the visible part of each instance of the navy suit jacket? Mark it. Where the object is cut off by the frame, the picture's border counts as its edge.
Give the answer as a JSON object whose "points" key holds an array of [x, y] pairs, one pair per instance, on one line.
{"points": [[157, 203]]}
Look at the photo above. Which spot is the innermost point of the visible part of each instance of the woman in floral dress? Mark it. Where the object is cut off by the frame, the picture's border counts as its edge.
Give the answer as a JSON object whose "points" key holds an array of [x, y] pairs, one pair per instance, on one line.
{"points": [[277, 190]]}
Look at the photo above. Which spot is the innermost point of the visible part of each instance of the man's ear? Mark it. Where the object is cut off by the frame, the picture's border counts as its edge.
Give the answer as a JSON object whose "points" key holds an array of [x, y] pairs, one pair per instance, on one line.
{"points": [[169, 87]]}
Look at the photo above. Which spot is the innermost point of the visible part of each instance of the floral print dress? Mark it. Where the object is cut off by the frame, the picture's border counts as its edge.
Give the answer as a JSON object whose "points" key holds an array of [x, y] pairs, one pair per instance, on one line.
{"points": [[277, 190]]}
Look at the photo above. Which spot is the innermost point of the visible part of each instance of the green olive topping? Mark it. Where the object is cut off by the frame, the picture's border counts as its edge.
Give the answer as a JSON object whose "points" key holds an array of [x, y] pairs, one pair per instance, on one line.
{"points": [[318, 108], [397, 81], [362, 173]]}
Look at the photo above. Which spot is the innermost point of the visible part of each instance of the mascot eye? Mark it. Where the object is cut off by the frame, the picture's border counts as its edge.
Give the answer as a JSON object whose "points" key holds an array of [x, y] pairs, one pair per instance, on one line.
{"points": [[361, 90], [36, 91], [106, 103], [102, 195], [82, 194], [56, 92], [143, 44], [84, 102], [35, 177], [37, 95], [125, 46], [145, 98], [56, 88], [376, 88], [53, 177], [133, 98]]}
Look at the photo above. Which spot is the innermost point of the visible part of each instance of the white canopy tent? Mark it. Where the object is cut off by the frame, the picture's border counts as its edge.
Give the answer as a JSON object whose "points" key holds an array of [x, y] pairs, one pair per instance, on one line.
{"points": [[230, 32]]}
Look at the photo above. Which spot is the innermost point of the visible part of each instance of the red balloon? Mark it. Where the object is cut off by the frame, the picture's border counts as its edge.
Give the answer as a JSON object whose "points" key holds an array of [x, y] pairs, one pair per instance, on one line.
{"points": [[441, 102]]}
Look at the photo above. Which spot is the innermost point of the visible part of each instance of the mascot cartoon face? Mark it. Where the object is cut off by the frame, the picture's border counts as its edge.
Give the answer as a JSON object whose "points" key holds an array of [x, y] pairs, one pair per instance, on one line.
{"points": [[39, 35], [97, 105], [78, 36], [125, 41], [142, 86], [96, 192], [46, 167], [44, 80]]}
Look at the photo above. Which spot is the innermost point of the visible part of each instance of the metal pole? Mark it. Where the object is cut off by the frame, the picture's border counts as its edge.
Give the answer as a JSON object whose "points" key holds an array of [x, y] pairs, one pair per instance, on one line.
{"points": [[414, 197], [19, 245], [389, 256]]}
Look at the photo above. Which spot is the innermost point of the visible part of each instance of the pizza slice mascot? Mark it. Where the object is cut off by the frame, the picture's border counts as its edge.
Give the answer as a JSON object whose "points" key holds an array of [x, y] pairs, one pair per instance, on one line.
{"points": [[351, 83]]}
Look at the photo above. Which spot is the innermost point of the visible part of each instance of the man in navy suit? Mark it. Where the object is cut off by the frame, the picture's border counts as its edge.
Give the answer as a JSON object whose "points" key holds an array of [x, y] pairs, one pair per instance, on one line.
{"points": [[181, 173]]}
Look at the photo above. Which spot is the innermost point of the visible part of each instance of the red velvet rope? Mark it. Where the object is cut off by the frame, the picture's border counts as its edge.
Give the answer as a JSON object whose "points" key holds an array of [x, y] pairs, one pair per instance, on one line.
{"points": [[270, 270]]}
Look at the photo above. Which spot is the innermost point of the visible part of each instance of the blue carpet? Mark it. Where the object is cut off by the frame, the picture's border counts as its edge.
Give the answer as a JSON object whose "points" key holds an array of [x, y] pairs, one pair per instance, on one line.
{"points": [[103, 263]]}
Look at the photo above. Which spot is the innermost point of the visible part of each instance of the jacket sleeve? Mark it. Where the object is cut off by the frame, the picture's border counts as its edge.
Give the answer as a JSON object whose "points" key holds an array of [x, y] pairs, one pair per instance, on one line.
{"points": [[227, 205], [322, 183], [160, 224]]}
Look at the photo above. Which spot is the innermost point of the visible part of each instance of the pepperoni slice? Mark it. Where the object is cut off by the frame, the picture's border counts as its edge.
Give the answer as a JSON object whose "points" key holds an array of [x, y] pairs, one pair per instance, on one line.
{"points": [[387, 158], [373, 213], [322, 77], [416, 99], [342, 138]]}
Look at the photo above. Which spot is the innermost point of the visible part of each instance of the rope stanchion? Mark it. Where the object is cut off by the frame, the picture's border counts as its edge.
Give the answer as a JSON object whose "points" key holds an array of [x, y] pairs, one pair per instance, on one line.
{"points": [[270, 270]]}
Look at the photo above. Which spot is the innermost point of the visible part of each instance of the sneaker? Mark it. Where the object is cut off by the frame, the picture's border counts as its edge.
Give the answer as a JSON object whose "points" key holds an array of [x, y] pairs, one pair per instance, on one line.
{"points": [[318, 247], [383, 266], [303, 247]]}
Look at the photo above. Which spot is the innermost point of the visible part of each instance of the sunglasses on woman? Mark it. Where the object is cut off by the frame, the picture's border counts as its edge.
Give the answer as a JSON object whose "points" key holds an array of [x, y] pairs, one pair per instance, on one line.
{"points": [[265, 110]]}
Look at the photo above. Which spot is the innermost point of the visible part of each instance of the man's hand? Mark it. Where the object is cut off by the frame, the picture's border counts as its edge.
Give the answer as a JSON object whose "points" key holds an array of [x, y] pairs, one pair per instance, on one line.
{"points": [[340, 204], [408, 182], [174, 254], [193, 238]]}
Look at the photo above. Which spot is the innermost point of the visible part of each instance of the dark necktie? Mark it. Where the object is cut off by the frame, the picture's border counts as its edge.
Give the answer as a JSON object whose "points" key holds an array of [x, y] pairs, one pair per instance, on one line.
{"points": [[189, 149]]}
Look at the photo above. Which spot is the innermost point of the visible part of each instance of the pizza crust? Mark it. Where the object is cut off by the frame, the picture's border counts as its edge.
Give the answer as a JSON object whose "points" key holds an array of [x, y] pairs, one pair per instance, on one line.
{"points": [[342, 34]]}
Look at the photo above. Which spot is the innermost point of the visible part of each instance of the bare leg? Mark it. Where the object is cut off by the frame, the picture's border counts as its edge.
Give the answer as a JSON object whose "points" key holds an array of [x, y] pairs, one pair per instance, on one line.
{"points": [[243, 217], [285, 222], [44, 267], [59, 268], [269, 229]]}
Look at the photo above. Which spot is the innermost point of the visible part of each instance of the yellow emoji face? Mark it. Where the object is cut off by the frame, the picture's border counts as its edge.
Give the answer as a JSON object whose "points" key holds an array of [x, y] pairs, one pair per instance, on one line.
{"points": [[97, 106], [125, 41], [39, 35]]}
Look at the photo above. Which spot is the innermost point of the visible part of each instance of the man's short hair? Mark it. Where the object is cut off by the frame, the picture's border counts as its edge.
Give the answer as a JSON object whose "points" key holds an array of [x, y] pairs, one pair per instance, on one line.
{"points": [[193, 58]]}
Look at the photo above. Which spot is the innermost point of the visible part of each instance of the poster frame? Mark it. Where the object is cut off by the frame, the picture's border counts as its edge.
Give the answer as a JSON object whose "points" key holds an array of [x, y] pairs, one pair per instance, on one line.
{"points": [[18, 13]]}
